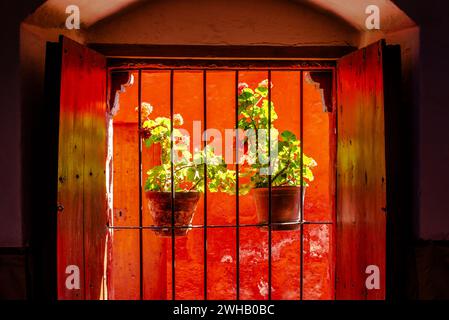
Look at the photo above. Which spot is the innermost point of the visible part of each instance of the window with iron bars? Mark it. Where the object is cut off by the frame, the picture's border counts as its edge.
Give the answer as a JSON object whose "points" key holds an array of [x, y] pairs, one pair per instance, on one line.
{"points": [[227, 251]]}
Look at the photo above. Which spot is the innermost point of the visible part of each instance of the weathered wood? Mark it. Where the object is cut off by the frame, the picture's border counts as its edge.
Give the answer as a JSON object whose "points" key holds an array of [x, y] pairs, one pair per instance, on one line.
{"points": [[361, 177], [219, 64], [81, 226], [70, 172], [95, 214]]}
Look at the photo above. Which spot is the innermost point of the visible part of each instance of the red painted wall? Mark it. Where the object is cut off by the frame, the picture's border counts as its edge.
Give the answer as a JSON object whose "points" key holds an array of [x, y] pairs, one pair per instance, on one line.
{"points": [[221, 260]]}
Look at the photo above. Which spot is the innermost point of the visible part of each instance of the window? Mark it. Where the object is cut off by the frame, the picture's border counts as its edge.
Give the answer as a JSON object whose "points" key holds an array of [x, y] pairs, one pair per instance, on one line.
{"points": [[104, 231], [150, 261]]}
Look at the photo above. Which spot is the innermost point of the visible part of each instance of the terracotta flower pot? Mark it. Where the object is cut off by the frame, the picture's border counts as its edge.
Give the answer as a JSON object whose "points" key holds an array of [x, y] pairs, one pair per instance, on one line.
{"points": [[285, 206], [160, 203]]}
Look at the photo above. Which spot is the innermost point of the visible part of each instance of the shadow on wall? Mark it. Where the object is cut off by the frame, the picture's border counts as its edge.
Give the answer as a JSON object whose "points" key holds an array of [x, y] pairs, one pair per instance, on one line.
{"points": [[13, 273], [430, 277]]}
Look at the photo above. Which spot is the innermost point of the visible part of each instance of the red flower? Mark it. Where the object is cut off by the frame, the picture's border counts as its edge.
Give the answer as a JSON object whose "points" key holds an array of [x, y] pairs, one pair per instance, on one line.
{"points": [[242, 86], [145, 133]]}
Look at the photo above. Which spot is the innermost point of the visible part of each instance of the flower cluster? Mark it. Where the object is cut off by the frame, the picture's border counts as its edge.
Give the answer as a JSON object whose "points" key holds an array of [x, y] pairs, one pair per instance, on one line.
{"points": [[280, 159], [188, 170], [274, 156]]}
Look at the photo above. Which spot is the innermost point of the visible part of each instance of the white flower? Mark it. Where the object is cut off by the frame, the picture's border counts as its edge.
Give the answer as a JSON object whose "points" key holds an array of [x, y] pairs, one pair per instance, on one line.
{"points": [[178, 120], [145, 110]]}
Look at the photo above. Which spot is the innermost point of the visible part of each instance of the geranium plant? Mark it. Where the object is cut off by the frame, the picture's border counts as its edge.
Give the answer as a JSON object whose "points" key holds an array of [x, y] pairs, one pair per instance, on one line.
{"points": [[285, 149], [271, 156], [173, 213], [267, 155], [188, 169]]}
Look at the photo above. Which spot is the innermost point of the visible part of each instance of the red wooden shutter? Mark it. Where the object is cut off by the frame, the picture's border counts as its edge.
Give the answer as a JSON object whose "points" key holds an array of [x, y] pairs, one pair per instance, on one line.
{"points": [[361, 175], [82, 215]]}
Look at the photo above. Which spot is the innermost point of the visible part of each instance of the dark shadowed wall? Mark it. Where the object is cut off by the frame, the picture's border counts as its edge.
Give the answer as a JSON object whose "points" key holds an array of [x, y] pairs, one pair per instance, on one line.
{"points": [[432, 117]]}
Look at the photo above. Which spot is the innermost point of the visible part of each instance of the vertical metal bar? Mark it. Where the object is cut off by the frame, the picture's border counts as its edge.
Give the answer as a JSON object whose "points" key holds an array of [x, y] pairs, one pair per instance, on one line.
{"points": [[172, 190], [205, 180], [269, 187], [334, 173], [139, 98], [301, 199], [237, 212]]}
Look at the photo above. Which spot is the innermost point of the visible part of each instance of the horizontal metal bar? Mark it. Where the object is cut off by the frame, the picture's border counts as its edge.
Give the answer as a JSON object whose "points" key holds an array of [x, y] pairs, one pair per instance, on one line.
{"points": [[292, 67], [153, 227]]}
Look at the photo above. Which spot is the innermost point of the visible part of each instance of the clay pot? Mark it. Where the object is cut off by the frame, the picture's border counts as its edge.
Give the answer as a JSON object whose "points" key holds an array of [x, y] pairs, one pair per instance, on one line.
{"points": [[285, 206], [160, 205]]}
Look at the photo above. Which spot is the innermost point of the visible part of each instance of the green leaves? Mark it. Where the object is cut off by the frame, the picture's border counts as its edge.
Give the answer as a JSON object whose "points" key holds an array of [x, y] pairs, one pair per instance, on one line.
{"points": [[247, 97], [256, 117], [262, 91], [188, 173], [157, 178], [287, 163], [288, 136]]}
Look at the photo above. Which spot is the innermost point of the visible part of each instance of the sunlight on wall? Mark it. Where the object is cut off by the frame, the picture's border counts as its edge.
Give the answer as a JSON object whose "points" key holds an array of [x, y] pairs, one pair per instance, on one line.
{"points": [[221, 208]]}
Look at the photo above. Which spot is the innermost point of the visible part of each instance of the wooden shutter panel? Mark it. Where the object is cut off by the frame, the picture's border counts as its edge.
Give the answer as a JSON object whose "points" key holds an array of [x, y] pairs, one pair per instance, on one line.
{"points": [[361, 174], [82, 215]]}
